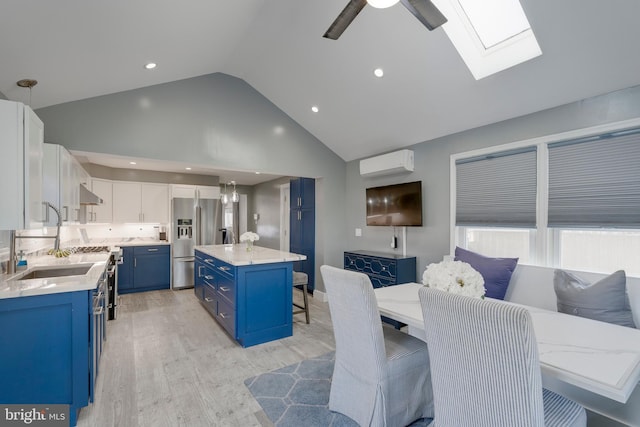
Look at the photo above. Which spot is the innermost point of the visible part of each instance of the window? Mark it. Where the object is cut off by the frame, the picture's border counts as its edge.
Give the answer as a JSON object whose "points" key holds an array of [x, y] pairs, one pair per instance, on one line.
{"points": [[587, 201], [497, 189], [605, 250], [500, 242], [491, 35]]}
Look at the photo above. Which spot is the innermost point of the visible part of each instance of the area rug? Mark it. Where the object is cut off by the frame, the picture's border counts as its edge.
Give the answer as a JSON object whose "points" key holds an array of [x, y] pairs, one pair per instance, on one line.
{"points": [[298, 395]]}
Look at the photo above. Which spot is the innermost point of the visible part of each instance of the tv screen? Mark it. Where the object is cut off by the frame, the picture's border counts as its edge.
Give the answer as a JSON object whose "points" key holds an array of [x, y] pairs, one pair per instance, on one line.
{"points": [[395, 205]]}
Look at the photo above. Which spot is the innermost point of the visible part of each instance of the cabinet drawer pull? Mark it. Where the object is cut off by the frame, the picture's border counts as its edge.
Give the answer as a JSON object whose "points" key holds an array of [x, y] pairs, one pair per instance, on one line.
{"points": [[99, 311], [152, 249], [223, 315], [208, 277], [208, 261], [225, 289], [207, 299], [200, 267], [223, 268]]}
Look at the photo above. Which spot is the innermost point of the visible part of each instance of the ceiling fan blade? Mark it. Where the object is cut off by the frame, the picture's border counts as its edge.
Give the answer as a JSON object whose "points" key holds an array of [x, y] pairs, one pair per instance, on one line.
{"points": [[343, 20], [426, 12]]}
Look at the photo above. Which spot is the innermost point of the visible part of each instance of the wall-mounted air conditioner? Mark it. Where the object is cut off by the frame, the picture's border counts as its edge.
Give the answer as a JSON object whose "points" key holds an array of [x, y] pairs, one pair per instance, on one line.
{"points": [[387, 164]]}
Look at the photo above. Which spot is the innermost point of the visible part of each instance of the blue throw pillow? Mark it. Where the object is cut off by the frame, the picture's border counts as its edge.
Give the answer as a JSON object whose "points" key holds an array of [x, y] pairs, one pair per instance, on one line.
{"points": [[496, 272], [605, 300]]}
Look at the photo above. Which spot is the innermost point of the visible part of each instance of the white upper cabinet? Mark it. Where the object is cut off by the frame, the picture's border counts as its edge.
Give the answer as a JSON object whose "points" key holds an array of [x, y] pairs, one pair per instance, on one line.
{"points": [[104, 212], [155, 203], [140, 202], [62, 177], [21, 139], [195, 191]]}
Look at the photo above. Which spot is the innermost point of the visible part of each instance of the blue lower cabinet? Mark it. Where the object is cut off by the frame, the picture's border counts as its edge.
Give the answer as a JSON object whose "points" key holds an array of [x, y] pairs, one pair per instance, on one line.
{"points": [[46, 348], [144, 268], [252, 303]]}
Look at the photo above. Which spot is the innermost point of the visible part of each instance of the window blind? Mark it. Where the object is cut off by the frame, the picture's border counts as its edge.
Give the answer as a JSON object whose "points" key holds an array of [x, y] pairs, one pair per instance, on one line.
{"points": [[497, 190], [595, 181]]}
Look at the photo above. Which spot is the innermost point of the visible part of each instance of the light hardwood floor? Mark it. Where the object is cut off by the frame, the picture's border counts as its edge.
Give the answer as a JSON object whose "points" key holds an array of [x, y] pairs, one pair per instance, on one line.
{"points": [[168, 363]]}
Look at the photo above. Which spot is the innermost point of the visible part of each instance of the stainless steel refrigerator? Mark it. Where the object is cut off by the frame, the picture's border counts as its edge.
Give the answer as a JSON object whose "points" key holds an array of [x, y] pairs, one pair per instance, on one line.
{"points": [[195, 222]]}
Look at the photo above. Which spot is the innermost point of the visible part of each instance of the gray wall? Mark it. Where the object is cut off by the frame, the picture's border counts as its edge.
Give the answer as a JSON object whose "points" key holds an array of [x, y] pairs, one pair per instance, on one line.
{"points": [[430, 242], [214, 120], [266, 202], [2, 96]]}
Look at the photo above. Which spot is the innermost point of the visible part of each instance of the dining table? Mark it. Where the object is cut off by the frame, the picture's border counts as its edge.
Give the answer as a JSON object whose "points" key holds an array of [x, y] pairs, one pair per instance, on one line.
{"points": [[597, 364]]}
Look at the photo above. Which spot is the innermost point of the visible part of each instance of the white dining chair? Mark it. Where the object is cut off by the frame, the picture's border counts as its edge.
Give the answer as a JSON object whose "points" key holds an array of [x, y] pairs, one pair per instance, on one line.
{"points": [[381, 375], [485, 365]]}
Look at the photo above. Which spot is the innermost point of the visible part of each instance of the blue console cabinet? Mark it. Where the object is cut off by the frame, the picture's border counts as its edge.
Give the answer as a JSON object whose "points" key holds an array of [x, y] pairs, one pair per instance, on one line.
{"points": [[383, 270], [251, 302]]}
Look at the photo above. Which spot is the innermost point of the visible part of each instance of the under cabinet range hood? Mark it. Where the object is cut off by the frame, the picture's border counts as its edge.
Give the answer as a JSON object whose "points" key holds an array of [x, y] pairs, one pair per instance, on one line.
{"points": [[88, 198]]}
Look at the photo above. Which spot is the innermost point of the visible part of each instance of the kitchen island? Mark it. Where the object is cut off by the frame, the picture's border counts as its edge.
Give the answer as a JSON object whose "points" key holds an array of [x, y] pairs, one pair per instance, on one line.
{"points": [[249, 292]]}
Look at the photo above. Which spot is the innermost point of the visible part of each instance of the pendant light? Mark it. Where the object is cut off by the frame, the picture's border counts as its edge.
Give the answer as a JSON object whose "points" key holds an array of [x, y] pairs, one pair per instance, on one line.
{"points": [[235, 197], [224, 197]]}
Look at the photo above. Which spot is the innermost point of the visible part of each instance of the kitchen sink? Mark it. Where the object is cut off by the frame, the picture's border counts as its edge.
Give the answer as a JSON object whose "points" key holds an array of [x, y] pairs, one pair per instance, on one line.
{"points": [[78, 270]]}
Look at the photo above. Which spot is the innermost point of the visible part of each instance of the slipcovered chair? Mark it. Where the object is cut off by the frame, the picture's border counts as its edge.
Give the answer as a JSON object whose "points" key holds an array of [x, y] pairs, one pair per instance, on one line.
{"points": [[485, 365], [381, 376]]}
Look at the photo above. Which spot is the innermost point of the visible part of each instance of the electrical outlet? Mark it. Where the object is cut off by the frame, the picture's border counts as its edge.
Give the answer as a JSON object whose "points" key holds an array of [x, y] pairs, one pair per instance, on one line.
{"points": [[358, 232]]}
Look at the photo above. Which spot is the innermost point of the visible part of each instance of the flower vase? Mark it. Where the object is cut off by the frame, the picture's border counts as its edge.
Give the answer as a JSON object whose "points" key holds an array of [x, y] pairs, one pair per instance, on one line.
{"points": [[249, 246]]}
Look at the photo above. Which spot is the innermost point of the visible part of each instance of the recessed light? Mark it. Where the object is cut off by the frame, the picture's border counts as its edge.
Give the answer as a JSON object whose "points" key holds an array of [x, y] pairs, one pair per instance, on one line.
{"points": [[132, 163], [378, 72], [315, 109], [257, 173], [188, 169], [150, 65]]}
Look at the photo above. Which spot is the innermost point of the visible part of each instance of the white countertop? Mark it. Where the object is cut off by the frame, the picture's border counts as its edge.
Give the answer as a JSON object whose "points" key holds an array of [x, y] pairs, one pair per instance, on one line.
{"points": [[595, 356], [238, 255], [127, 241], [12, 287]]}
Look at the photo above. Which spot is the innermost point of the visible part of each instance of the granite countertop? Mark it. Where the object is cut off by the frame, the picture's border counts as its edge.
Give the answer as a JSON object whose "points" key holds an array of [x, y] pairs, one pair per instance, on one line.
{"points": [[238, 255], [12, 287]]}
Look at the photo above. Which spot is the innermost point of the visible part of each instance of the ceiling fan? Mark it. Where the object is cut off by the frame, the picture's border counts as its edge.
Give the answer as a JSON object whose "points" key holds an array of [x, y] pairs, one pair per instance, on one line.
{"points": [[424, 10]]}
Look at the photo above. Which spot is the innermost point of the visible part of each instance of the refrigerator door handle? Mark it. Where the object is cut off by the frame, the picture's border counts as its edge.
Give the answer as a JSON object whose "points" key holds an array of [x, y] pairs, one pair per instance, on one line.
{"points": [[198, 228]]}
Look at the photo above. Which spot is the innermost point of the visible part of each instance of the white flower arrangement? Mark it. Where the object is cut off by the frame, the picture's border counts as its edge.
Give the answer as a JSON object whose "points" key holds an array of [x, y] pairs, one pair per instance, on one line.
{"points": [[456, 277], [249, 236]]}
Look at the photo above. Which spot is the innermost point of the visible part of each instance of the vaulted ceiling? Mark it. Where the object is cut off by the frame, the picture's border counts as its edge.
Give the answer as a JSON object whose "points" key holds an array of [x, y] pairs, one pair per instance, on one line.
{"points": [[80, 49]]}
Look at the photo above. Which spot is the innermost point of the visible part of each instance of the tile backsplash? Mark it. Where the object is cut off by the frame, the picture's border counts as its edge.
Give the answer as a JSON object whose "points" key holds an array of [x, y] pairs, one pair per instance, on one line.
{"points": [[71, 235]]}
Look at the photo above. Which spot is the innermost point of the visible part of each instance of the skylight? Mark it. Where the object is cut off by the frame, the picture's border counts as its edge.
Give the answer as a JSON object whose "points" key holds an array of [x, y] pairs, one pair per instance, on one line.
{"points": [[490, 35]]}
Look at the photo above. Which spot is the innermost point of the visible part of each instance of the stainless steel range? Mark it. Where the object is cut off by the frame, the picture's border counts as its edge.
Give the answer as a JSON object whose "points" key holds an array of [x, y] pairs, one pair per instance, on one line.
{"points": [[112, 272]]}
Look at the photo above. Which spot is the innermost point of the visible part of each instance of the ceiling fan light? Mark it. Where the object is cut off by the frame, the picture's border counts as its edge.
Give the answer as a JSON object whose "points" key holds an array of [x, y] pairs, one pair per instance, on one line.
{"points": [[382, 4]]}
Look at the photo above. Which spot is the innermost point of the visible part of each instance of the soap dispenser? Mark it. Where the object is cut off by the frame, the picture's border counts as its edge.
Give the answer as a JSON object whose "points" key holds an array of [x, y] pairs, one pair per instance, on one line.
{"points": [[22, 262]]}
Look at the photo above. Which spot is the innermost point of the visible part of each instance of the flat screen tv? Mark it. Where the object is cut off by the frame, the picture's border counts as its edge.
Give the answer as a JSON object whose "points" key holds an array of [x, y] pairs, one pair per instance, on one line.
{"points": [[395, 205]]}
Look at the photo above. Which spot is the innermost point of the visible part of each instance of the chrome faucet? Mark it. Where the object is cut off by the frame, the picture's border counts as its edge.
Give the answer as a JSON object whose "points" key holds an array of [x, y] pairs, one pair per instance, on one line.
{"points": [[11, 264]]}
